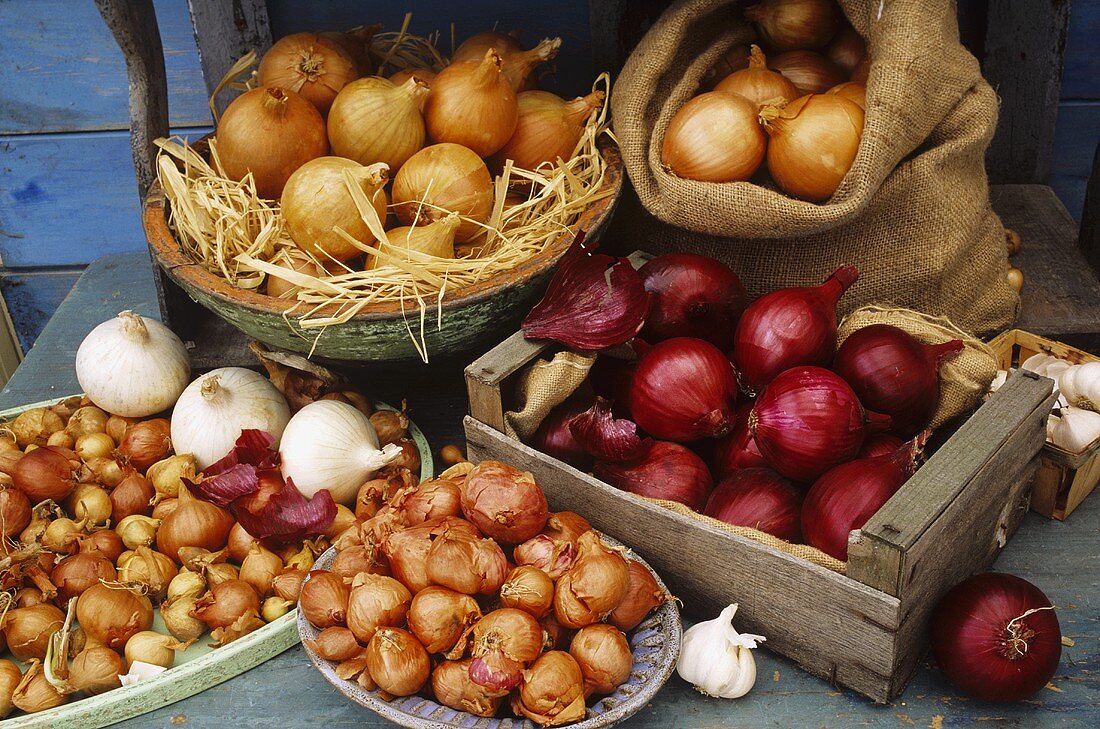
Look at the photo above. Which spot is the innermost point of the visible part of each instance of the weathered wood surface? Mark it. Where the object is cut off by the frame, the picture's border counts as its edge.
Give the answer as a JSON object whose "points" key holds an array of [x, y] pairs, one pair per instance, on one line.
{"points": [[32, 297], [224, 32]]}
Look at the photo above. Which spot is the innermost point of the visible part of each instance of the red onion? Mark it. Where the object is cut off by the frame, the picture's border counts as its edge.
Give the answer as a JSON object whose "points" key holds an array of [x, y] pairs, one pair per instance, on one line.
{"points": [[684, 389], [554, 438], [893, 373], [738, 449], [693, 296], [879, 444], [847, 496], [809, 420], [605, 437], [667, 471], [759, 498], [996, 637], [789, 327]]}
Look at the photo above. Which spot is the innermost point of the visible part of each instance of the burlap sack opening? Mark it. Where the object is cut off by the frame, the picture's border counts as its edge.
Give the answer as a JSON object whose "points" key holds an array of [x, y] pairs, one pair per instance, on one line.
{"points": [[963, 379], [913, 213]]}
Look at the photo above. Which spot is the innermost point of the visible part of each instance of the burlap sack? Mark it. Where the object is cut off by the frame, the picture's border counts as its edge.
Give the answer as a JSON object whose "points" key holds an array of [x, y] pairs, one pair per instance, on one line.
{"points": [[913, 212], [963, 379]]}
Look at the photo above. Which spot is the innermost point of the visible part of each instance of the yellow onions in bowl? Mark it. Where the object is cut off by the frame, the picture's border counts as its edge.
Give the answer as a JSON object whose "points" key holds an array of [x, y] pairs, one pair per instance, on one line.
{"points": [[269, 132], [375, 120], [758, 83], [317, 199], [472, 103], [813, 142], [442, 179], [715, 137], [309, 64], [548, 127], [433, 238]]}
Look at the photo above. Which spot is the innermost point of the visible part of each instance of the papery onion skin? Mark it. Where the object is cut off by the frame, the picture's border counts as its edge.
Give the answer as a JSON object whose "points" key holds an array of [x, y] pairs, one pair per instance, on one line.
{"points": [[375, 602], [809, 71], [48, 472], [513, 632], [714, 137], [856, 93], [548, 128], [737, 449], [269, 132], [603, 654], [684, 389], [111, 616], [375, 120], [605, 437], [467, 564], [504, 502], [15, 512], [790, 24], [555, 439], [551, 556], [444, 178], [226, 603], [310, 64], [893, 373], [324, 599], [847, 49], [529, 589], [667, 471], [758, 83], [28, 629], [334, 644], [642, 596], [397, 662], [77, 572], [692, 296], [146, 443], [789, 327], [988, 645], [552, 690], [472, 103], [594, 586], [193, 523], [432, 499], [438, 616], [453, 687], [758, 498], [474, 47], [519, 66]]}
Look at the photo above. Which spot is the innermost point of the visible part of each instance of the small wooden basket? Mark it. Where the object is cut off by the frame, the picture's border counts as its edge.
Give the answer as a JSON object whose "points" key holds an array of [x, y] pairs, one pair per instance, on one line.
{"points": [[1064, 479]]}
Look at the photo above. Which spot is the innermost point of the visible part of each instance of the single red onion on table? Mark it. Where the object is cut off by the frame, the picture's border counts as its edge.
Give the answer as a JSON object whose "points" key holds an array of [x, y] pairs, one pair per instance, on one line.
{"points": [[997, 637], [554, 438], [666, 471], [684, 389], [738, 449], [605, 437], [789, 327], [758, 498], [693, 296], [808, 420], [895, 374]]}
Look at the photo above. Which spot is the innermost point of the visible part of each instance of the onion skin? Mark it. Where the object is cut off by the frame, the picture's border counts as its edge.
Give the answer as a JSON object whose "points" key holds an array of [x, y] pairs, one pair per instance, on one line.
{"points": [[472, 103], [606, 437], [504, 502], [594, 586], [738, 449], [438, 616], [467, 564], [988, 645], [604, 657], [308, 63], [446, 176], [28, 630], [758, 83], [375, 120], [810, 72], [847, 49], [789, 24], [758, 498], [112, 616], [856, 93], [376, 602], [48, 472], [529, 589], [667, 471], [879, 444], [15, 512], [552, 691], [453, 687], [548, 128], [397, 662], [799, 132], [808, 420], [789, 327], [641, 598], [692, 296], [324, 599], [555, 439], [714, 137]]}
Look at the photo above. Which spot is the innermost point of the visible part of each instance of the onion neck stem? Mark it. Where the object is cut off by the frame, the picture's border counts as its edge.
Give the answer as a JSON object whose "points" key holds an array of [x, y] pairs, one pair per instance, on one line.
{"points": [[576, 111], [488, 71], [757, 60], [276, 100], [133, 326], [838, 283], [211, 388]]}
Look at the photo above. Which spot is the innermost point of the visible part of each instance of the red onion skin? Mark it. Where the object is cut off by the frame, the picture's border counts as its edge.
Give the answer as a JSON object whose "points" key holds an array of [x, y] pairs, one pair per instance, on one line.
{"points": [[556, 440], [667, 471], [893, 373], [846, 496], [879, 444], [693, 296], [738, 449], [684, 389], [983, 645], [809, 420], [789, 327], [604, 436], [759, 498]]}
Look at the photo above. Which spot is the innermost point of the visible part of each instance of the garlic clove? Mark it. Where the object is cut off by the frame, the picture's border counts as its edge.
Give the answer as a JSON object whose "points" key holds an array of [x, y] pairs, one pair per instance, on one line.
{"points": [[141, 671], [1075, 430]]}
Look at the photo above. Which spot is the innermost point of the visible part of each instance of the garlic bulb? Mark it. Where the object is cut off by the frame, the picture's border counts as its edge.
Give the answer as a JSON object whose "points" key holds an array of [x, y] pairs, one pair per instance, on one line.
{"points": [[211, 413], [132, 366], [1080, 384], [1074, 429], [332, 445], [1038, 363], [718, 660]]}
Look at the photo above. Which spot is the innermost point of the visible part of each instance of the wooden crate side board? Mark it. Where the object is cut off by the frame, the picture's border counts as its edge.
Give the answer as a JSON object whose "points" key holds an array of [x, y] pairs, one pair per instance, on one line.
{"points": [[224, 32], [485, 376], [833, 626]]}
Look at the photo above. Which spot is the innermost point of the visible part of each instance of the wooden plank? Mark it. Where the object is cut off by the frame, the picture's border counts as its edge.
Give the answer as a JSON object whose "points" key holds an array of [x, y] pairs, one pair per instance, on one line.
{"points": [[485, 375], [830, 624], [64, 72], [1074, 138], [224, 32], [32, 297], [1024, 48], [1089, 238]]}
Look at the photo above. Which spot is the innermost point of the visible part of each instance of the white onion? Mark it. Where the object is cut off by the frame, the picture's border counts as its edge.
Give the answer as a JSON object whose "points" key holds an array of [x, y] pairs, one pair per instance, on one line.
{"points": [[214, 409], [332, 445], [132, 366]]}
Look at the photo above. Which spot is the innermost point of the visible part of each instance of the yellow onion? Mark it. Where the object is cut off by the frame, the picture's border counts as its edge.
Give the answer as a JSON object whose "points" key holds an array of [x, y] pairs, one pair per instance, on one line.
{"points": [[397, 662], [548, 128], [64, 439], [324, 599], [133, 495], [274, 608], [15, 511], [466, 563], [95, 670], [35, 426], [344, 518], [178, 619], [813, 142], [354, 560], [375, 601], [89, 503], [529, 589], [518, 66], [226, 603], [604, 657], [117, 425], [10, 676], [472, 103], [438, 616], [63, 535], [269, 132], [316, 200], [856, 93], [28, 629], [259, 567], [105, 542], [193, 523], [137, 530], [163, 509], [111, 614], [442, 179], [93, 445], [715, 137], [551, 691], [288, 584], [77, 572], [334, 644], [149, 646], [435, 238], [809, 71], [474, 47], [432, 499], [88, 419], [424, 74], [758, 83], [34, 693], [308, 63], [293, 260], [109, 471], [847, 49], [514, 634], [790, 24], [375, 120], [594, 586], [186, 583], [49, 472], [642, 596], [453, 687], [27, 597], [149, 568], [167, 475]]}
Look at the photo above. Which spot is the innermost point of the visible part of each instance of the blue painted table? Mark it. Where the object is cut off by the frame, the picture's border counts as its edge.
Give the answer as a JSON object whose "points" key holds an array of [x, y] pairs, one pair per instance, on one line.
{"points": [[1061, 558]]}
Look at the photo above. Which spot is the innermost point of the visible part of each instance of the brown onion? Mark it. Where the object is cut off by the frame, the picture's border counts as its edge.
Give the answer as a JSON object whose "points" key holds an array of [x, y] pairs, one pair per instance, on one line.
{"points": [[515, 633], [856, 93], [110, 615], [789, 24], [519, 66], [390, 425], [594, 586], [164, 508], [64, 439], [28, 629], [407, 550], [466, 564], [474, 47], [239, 542], [28, 597], [259, 568], [46, 473], [548, 128], [439, 616], [34, 693], [566, 526], [375, 601], [186, 583], [432, 499], [77, 572], [847, 49], [90, 504], [193, 523], [226, 603], [714, 137], [117, 425], [529, 589], [106, 542], [472, 103], [409, 244], [269, 132], [149, 568], [88, 419], [324, 599], [397, 662], [334, 644], [798, 134], [95, 670], [554, 634], [311, 65], [552, 690], [354, 560], [15, 511], [10, 676], [375, 120], [453, 687], [288, 584], [758, 83], [442, 179], [642, 596], [344, 518], [504, 502], [147, 442], [604, 657], [133, 495], [810, 72], [35, 426]]}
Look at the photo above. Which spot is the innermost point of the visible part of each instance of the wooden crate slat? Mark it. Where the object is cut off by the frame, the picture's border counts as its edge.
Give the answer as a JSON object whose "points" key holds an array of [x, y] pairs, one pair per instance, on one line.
{"points": [[224, 32], [485, 375]]}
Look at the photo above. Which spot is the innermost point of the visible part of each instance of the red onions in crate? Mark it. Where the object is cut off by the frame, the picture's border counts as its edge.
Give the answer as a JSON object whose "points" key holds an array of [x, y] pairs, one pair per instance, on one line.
{"points": [[684, 389], [604, 436], [789, 327], [759, 498], [879, 444], [667, 471], [554, 437], [891, 372], [738, 449], [693, 296], [809, 420], [996, 637]]}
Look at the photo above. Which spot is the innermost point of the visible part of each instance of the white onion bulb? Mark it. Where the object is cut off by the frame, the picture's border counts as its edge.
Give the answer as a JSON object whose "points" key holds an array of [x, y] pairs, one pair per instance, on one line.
{"points": [[211, 413], [332, 445], [132, 366]]}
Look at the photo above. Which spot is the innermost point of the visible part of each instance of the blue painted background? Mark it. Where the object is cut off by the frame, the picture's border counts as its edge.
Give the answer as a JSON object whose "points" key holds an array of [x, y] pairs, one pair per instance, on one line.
{"points": [[67, 188]]}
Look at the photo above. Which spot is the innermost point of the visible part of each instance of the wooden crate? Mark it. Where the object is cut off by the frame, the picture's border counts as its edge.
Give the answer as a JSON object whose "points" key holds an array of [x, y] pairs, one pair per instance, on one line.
{"points": [[864, 630], [1064, 479]]}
